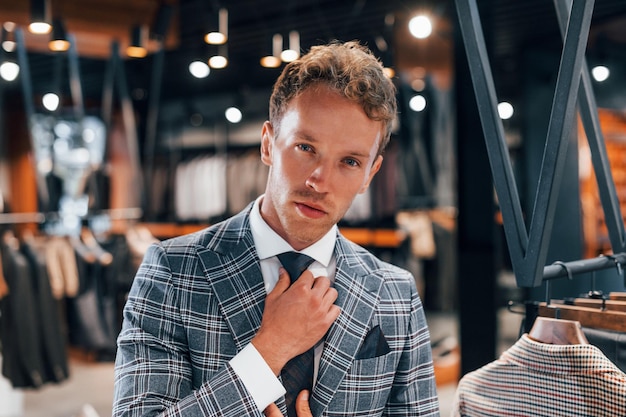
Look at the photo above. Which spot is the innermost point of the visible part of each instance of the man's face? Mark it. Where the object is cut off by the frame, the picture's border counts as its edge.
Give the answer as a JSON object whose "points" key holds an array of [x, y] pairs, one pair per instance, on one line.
{"points": [[323, 153]]}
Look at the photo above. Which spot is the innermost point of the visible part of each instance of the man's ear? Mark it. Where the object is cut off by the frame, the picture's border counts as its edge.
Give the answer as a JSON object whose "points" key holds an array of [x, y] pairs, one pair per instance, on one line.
{"points": [[267, 143], [375, 167]]}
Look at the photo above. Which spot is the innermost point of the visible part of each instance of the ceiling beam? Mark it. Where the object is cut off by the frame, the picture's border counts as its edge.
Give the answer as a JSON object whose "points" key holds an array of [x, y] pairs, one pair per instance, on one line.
{"points": [[95, 24]]}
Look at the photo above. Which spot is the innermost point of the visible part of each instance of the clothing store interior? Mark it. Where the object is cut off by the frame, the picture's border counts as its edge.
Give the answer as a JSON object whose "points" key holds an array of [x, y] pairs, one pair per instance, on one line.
{"points": [[503, 188]]}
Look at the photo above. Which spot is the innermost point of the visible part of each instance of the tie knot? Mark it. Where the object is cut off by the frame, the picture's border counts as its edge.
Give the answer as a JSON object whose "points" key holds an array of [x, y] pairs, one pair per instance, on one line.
{"points": [[295, 263]]}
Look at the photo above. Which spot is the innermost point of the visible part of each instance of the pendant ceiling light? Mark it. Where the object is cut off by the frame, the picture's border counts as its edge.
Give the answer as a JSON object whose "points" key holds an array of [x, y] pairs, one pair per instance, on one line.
{"points": [[39, 17], [9, 69], [138, 37], [293, 52], [219, 35], [58, 39], [274, 61], [220, 60]]}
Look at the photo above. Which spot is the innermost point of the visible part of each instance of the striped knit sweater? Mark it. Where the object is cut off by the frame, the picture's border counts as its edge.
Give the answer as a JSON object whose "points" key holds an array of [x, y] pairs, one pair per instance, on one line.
{"points": [[537, 379]]}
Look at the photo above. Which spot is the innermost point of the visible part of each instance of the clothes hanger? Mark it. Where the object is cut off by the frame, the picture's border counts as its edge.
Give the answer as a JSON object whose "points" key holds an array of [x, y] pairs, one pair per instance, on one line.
{"points": [[587, 316], [139, 238], [557, 332], [614, 305], [11, 239], [595, 299], [617, 296], [81, 249], [590, 315], [91, 243]]}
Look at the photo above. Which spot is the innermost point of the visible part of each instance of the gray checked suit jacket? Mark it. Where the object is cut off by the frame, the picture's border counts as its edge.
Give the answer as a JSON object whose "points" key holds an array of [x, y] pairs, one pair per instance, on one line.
{"points": [[197, 300]]}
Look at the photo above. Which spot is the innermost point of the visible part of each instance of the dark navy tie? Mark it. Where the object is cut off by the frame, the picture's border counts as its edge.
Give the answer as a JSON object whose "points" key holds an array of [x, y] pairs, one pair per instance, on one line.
{"points": [[298, 372], [295, 263]]}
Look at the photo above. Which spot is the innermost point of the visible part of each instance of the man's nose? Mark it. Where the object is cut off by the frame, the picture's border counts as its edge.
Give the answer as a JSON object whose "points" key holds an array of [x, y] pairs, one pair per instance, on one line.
{"points": [[320, 176]]}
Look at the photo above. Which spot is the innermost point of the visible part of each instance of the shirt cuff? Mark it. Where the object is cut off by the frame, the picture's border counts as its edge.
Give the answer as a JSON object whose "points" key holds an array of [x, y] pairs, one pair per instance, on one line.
{"points": [[257, 377]]}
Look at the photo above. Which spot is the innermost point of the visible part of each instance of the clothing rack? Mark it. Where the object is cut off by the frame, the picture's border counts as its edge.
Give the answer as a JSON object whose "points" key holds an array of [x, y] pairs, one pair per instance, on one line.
{"points": [[41, 217], [16, 218], [569, 269]]}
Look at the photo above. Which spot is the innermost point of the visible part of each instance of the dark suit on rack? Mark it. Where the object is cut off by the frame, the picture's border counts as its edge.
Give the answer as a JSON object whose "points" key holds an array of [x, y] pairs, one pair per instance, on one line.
{"points": [[180, 331], [49, 309], [20, 335]]}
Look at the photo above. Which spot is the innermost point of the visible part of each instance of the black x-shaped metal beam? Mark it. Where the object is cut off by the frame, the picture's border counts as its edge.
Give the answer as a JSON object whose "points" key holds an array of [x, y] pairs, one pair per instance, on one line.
{"points": [[528, 247]]}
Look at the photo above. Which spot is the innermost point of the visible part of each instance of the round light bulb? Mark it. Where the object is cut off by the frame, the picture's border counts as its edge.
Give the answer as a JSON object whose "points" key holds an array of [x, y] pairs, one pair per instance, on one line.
{"points": [[417, 103], [50, 101], [233, 114], [420, 27], [289, 55], [215, 38], [600, 73], [9, 70], [505, 110], [136, 52], [218, 62], [40, 28], [199, 69], [270, 61]]}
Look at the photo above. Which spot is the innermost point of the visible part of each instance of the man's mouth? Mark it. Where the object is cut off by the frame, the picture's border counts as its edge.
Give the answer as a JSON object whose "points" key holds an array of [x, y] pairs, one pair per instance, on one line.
{"points": [[310, 210]]}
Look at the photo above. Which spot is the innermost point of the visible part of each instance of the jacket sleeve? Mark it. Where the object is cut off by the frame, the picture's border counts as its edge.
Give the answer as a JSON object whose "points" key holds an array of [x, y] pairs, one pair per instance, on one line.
{"points": [[414, 392], [153, 371]]}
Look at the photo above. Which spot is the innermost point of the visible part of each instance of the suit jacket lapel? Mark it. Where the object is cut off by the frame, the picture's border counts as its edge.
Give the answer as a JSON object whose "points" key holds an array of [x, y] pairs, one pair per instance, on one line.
{"points": [[231, 265], [358, 295]]}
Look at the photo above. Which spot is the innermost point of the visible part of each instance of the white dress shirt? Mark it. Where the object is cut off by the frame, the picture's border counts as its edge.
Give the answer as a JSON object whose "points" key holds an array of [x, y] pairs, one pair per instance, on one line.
{"points": [[248, 364]]}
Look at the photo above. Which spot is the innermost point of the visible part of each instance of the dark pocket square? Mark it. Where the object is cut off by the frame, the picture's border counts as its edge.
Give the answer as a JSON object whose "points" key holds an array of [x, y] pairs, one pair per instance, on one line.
{"points": [[374, 345]]}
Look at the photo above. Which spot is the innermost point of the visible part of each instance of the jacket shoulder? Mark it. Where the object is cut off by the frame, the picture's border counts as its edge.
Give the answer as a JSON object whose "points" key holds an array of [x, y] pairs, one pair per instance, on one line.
{"points": [[359, 257], [215, 237]]}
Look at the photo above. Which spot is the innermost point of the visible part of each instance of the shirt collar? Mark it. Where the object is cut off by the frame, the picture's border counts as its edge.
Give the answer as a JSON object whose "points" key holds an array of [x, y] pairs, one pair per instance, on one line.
{"points": [[268, 243], [572, 359]]}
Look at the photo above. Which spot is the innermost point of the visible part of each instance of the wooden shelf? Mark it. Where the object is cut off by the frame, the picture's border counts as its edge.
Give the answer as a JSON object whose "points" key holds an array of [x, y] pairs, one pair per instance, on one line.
{"points": [[168, 230], [385, 238], [381, 238]]}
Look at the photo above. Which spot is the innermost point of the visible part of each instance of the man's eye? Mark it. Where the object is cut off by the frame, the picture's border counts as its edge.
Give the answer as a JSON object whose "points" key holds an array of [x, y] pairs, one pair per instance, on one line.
{"points": [[352, 162], [305, 147]]}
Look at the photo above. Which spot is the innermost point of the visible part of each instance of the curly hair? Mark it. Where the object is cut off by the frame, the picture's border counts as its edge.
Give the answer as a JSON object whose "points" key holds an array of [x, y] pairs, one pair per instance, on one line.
{"points": [[348, 68]]}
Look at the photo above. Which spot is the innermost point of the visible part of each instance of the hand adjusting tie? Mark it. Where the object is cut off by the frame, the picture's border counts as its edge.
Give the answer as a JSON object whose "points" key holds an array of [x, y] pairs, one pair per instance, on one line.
{"points": [[298, 372]]}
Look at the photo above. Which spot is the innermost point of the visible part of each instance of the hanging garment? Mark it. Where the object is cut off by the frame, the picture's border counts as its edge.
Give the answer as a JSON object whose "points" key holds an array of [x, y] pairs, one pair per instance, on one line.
{"points": [[61, 266], [611, 343], [19, 327], [544, 380], [4, 288], [91, 315], [246, 177], [49, 309]]}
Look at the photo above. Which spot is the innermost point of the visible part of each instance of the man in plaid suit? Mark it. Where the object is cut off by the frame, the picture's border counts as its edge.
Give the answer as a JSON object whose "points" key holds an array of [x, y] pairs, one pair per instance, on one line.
{"points": [[211, 318]]}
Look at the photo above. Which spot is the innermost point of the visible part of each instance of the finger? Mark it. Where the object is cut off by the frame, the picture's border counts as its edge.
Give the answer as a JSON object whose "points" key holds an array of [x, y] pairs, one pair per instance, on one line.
{"points": [[329, 296], [306, 279], [283, 282], [272, 411], [334, 312], [303, 409], [321, 284]]}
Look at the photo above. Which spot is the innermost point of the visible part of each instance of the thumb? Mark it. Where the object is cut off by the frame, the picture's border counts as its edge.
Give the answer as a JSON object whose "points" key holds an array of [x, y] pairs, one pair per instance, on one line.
{"points": [[272, 411], [303, 408], [281, 286], [283, 280]]}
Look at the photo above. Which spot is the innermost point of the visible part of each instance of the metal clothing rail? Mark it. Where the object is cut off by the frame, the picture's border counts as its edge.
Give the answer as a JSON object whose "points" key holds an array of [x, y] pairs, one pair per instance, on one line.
{"points": [[41, 217], [529, 248], [569, 269]]}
